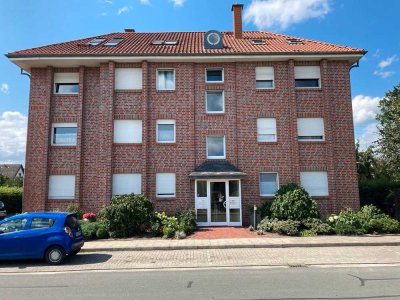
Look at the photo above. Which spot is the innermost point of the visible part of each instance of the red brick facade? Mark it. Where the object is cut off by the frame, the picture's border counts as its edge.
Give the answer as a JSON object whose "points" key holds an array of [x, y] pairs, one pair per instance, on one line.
{"points": [[95, 158]]}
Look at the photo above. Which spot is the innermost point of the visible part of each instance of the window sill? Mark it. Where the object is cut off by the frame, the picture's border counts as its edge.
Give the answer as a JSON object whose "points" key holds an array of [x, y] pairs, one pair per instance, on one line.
{"points": [[58, 199], [127, 144], [215, 114], [66, 95], [133, 91], [166, 144], [265, 90], [165, 198], [165, 91], [52, 147], [267, 143], [311, 142]]}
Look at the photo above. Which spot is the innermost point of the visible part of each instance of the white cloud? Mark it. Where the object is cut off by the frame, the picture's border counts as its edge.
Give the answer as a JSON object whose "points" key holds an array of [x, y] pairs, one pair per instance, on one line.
{"points": [[4, 88], [145, 2], [106, 1], [388, 61], [103, 14], [12, 136], [368, 136], [177, 2], [365, 108], [124, 10], [384, 74], [284, 13]]}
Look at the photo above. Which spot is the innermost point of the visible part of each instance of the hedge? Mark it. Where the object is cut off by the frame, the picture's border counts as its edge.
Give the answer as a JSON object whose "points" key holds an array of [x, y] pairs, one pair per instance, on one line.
{"points": [[12, 199]]}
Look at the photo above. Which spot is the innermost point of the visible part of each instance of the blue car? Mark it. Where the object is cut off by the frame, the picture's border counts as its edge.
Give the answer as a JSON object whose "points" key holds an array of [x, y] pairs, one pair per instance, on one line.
{"points": [[48, 235]]}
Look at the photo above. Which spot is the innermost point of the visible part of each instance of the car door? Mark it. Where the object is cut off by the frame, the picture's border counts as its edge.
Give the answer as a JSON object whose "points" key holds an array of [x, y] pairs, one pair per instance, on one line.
{"points": [[11, 238]]}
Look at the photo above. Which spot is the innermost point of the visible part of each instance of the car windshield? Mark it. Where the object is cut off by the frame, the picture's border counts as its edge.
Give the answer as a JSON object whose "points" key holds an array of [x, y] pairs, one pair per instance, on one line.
{"points": [[72, 221]]}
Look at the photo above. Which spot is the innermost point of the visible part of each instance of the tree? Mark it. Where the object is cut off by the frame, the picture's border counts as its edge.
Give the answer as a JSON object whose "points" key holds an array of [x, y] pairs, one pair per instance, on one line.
{"points": [[389, 129]]}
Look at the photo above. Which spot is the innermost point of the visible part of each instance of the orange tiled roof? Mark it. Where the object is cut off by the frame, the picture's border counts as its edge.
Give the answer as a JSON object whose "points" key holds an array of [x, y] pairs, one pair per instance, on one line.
{"points": [[189, 43]]}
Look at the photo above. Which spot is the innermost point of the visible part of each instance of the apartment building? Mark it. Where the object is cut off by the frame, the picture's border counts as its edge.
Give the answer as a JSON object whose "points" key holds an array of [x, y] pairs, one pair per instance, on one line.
{"points": [[214, 121]]}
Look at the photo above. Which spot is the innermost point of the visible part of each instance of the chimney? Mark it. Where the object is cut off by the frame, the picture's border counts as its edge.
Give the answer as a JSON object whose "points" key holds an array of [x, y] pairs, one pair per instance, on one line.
{"points": [[237, 20], [129, 30]]}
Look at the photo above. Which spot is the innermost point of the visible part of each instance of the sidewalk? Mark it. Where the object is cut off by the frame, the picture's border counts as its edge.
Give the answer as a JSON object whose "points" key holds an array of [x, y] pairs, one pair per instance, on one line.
{"points": [[143, 244]]}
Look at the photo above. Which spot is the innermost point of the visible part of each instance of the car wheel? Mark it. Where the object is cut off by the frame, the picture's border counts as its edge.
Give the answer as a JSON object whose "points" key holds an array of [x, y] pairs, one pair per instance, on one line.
{"points": [[55, 255], [75, 252]]}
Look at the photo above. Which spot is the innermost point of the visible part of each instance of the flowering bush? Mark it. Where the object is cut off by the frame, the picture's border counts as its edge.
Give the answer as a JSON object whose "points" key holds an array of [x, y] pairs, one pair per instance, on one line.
{"points": [[89, 216]]}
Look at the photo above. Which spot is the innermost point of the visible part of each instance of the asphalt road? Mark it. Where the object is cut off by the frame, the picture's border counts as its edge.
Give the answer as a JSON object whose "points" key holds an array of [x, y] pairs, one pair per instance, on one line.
{"points": [[267, 283]]}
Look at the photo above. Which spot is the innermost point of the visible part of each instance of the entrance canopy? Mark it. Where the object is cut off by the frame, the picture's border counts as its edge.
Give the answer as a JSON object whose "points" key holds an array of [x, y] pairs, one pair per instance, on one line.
{"points": [[216, 169]]}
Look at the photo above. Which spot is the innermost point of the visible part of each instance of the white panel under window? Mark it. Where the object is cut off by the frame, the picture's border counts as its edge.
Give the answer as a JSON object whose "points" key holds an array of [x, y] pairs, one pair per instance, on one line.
{"points": [[66, 77], [307, 72], [266, 130], [268, 184], [165, 185], [310, 129], [63, 134], [123, 184], [128, 78], [127, 131], [165, 131], [315, 183], [66, 83], [165, 79], [264, 77], [61, 187]]}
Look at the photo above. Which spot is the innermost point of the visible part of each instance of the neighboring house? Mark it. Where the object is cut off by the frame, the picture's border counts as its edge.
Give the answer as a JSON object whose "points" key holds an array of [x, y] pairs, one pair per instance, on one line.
{"points": [[12, 171], [211, 121]]}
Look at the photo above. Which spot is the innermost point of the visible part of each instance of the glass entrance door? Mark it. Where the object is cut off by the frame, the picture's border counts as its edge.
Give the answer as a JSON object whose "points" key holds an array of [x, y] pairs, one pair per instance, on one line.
{"points": [[218, 202]]}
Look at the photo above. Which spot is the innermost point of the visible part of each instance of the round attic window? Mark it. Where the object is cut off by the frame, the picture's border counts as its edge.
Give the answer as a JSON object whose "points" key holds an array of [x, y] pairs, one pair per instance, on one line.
{"points": [[213, 38]]}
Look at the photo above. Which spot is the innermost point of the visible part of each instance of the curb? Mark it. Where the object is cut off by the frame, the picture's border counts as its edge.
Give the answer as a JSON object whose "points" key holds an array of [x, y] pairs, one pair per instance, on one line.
{"points": [[236, 246]]}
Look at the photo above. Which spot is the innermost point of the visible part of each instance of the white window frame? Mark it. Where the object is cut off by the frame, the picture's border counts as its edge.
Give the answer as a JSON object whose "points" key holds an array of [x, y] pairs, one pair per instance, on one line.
{"points": [[325, 174], [165, 69], [258, 133], [52, 193], [59, 125], [311, 140], [273, 78], [223, 102], [214, 69], [303, 77], [65, 81], [259, 183], [126, 76], [134, 139], [158, 175], [165, 122], [216, 157], [125, 176]]}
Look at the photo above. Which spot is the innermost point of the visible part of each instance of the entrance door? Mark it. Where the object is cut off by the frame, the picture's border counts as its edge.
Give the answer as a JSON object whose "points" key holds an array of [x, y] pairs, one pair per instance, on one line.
{"points": [[218, 204]]}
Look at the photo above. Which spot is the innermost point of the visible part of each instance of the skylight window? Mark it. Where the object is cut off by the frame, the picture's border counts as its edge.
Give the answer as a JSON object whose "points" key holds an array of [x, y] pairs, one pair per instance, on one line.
{"points": [[167, 42], [258, 42], [295, 41], [157, 42], [171, 42], [96, 41], [114, 42]]}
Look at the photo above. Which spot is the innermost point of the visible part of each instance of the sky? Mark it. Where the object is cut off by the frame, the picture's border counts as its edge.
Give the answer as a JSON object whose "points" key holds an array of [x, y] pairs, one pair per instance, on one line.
{"points": [[368, 24]]}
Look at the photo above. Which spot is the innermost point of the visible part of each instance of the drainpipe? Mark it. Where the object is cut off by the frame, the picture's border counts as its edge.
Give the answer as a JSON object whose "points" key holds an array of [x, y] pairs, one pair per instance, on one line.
{"points": [[23, 72], [355, 65]]}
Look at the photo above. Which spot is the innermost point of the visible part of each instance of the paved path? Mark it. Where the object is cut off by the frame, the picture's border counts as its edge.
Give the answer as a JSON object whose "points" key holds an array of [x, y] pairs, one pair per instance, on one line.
{"points": [[212, 258], [264, 242]]}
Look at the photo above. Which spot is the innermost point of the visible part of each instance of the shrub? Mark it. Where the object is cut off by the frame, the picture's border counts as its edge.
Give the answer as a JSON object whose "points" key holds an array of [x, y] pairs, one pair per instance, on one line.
{"points": [[288, 188], [102, 232], [12, 199], [294, 205], [369, 212], [89, 229], [169, 225], [265, 209], [127, 215], [74, 208], [89, 216], [267, 224], [383, 224], [348, 222], [288, 227], [317, 226], [348, 229], [187, 221], [307, 232]]}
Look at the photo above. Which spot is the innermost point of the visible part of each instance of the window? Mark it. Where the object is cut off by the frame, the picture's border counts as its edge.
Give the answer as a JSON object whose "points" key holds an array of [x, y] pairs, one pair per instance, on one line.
{"points": [[123, 184], [66, 83], [127, 131], [114, 42], [41, 223], [215, 102], [307, 77], [234, 190], [315, 183], [166, 79], [268, 184], [215, 147], [165, 131], [258, 42], [264, 77], [310, 129], [215, 75], [201, 188], [63, 134], [62, 187], [96, 41], [157, 42], [13, 225], [294, 41], [165, 185], [171, 42], [128, 78], [266, 130]]}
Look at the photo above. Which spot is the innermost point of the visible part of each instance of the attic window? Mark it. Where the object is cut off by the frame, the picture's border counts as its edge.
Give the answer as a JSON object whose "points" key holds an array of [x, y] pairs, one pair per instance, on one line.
{"points": [[171, 42], [114, 42], [258, 42], [161, 42], [157, 42], [96, 41], [295, 42]]}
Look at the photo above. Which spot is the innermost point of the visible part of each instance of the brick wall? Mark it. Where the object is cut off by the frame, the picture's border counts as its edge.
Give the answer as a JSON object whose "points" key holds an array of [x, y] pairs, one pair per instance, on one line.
{"points": [[96, 158]]}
